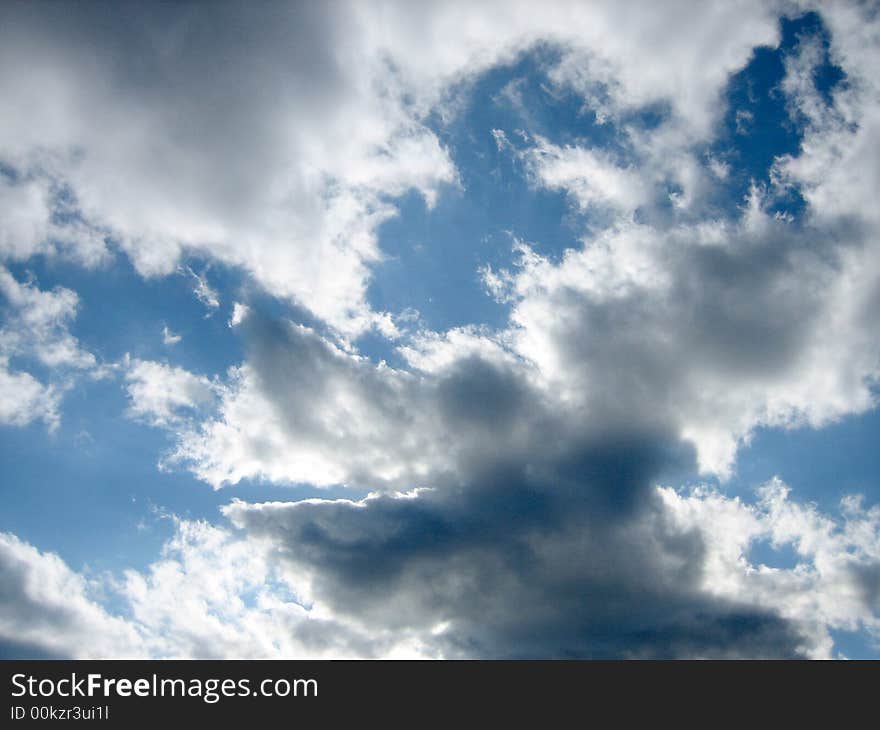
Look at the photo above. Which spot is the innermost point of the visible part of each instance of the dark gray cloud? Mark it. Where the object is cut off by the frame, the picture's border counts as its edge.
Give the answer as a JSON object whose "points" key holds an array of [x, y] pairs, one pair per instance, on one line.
{"points": [[18, 650], [540, 534], [517, 567]]}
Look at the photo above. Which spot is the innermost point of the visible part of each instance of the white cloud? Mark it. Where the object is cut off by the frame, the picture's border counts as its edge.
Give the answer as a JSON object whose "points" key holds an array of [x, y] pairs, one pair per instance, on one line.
{"points": [[835, 581], [37, 324], [717, 323], [351, 431], [591, 177], [169, 338], [720, 327], [278, 150], [835, 169], [47, 606], [35, 334], [239, 312], [36, 221], [216, 594], [204, 292], [212, 594], [24, 399], [163, 394]]}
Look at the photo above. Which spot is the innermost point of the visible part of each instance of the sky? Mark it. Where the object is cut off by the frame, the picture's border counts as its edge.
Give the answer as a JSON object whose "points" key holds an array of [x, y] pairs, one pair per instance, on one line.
{"points": [[439, 330]]}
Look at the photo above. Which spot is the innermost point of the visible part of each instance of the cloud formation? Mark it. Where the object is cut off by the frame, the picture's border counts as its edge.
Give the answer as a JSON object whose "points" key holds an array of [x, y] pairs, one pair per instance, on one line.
{"points": [[35, 333], [276, 140]]}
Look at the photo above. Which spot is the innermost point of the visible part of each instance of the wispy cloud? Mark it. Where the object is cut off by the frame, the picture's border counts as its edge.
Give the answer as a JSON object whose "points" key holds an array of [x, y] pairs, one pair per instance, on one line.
{"points": [[204, 292], [169, 338]]}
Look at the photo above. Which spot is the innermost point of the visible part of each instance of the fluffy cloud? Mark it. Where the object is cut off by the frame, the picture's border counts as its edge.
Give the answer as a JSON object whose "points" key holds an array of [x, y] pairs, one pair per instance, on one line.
{"points": [[716, 323], [275, 140], [38, 323], [212, 594], [835, 581], [161, 394], [35, 333], [716, 328], [24, 399], [331, 422], [37, 218], [591, 178], [234, 134], [170, 338], [540, 443], [300, 409], [835, 170], [216, 595], [48, 608]]}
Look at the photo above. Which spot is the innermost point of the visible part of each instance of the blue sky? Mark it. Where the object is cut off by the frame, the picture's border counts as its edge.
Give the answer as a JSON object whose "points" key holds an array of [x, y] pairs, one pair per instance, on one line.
{"points": [[570, 316]]}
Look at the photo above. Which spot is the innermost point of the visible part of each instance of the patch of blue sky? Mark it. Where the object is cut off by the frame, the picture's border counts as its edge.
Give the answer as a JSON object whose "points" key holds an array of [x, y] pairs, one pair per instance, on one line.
{"points": [[822, 465], [854, 644], [121, 312], [433, 256], [760, 124], [91, 490], [782, 557]]}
